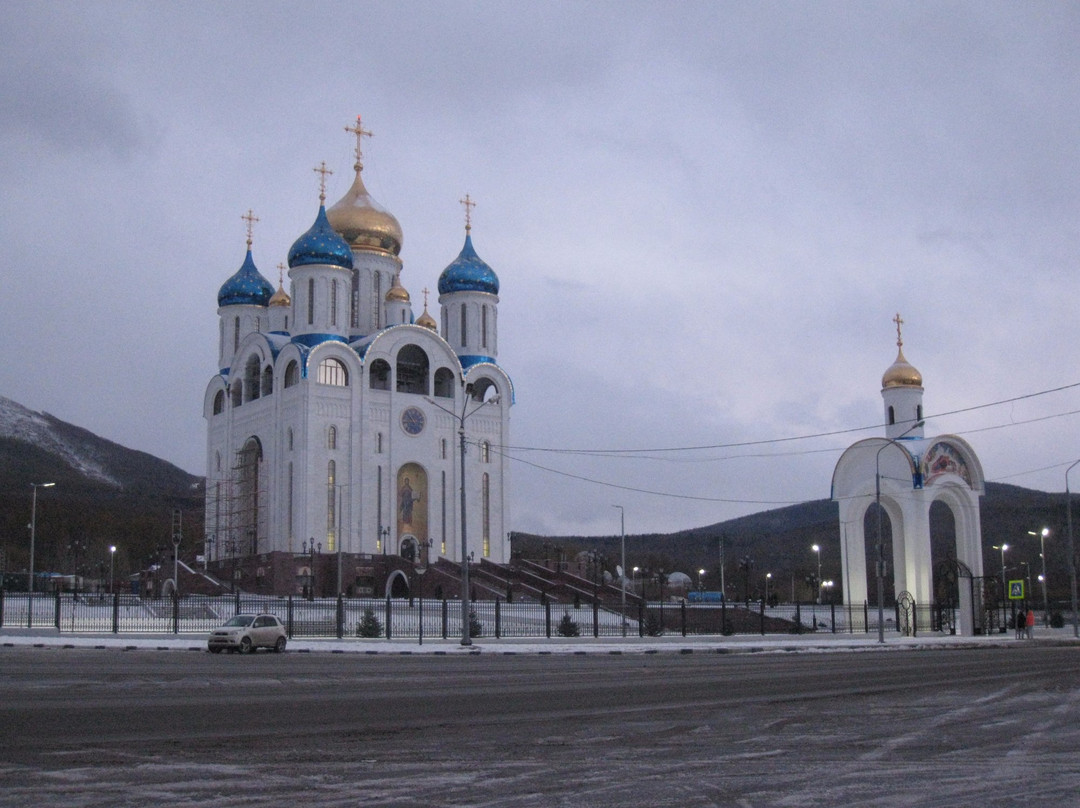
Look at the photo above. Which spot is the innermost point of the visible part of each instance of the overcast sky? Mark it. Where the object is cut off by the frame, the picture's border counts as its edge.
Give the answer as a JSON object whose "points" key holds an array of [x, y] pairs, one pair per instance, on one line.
{"points": [[704, 217]]}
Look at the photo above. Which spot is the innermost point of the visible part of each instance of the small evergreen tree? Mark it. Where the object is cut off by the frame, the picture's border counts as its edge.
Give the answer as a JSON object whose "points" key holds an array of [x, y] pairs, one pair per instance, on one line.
{"points": [[653, 626], [369, 625], [568, 627], [476, 628]]}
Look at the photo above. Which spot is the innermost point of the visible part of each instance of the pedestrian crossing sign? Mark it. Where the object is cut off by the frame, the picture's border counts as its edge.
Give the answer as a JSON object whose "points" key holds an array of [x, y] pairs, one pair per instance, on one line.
{"points": [[1016, 590]]}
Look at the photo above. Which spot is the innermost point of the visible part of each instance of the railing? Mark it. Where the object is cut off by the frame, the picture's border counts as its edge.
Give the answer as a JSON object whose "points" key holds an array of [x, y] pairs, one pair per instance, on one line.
{"points": [[409, 618]]}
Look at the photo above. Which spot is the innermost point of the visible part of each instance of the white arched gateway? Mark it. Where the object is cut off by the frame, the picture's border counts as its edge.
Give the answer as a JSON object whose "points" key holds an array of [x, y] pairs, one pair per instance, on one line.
{"points": [[908, 473]]}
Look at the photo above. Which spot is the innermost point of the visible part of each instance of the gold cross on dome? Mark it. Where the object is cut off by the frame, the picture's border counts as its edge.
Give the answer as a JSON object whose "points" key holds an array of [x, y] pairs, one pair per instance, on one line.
{"points": [[280, 273], [425, 298], [899, 322], [360, 132], [469, 205], [250, 218], [322, 171]]}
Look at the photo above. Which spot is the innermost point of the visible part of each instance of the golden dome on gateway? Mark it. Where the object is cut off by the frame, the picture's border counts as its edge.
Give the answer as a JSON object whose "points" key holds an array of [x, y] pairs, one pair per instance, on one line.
{"points": [[901, 373], [361, 221]]}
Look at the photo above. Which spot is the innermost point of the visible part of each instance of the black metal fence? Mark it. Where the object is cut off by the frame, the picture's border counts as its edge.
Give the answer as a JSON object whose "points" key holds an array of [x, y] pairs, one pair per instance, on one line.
{"points": [[415, 618]]}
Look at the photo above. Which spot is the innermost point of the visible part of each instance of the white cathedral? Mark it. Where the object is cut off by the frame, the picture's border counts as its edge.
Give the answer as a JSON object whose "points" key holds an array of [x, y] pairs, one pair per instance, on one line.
{"points": [[335, 417]]}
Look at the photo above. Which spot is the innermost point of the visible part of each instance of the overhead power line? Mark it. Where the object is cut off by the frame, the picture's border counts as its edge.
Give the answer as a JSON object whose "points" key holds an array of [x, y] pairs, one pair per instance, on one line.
{"points": [[788, 439]]}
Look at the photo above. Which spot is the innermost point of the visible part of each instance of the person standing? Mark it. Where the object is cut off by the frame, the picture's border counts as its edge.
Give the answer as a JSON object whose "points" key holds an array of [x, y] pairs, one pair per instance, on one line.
{"points": [[1030, 623], [1021, 623]]}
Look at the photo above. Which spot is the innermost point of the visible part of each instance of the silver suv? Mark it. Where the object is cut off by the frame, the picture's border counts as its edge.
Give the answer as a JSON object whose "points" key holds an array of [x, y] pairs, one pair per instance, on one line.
{"points": [[246, 632]]}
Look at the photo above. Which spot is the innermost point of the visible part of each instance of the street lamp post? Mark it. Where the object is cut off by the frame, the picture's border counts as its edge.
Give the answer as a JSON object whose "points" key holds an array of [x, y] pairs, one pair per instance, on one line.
{"points": [[1004, 584], [701, 580], [112, 558], [880, 547], [1042, 554], [466, 637], [1072, 552], [768, 577], [633, 579], [622, 574], [33, 529], [817, 549]]}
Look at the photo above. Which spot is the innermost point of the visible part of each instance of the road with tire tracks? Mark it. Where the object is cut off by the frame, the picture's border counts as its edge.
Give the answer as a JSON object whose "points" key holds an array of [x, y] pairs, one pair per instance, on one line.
{"points": [[85, 727]]}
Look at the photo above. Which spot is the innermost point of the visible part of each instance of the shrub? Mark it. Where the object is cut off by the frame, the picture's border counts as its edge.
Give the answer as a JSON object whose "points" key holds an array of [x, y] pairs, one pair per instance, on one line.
{"points": [[369, 625], [568, 627], [476, 628], [653, 626]]}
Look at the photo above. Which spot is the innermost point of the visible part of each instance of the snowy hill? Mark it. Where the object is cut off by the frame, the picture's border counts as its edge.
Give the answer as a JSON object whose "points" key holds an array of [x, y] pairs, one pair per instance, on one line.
{"points": [[31, 439]]}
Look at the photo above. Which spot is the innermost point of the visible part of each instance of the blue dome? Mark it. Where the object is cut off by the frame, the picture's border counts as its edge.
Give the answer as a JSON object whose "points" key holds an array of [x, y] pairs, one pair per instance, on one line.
{"points": [[320, 245], [246, 288], [468, 273]]}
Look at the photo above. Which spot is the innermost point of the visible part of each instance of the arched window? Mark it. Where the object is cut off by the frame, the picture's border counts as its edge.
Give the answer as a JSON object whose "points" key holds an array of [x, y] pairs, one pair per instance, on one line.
{"points": [[236, 334], [331, 438], [268, 380], [236, 390], [464, 323], [333, 302], [918, 412], [483, 389], [251, 378], [376, 289], [310, 301], [292, 373], [444, 383], [483, 325], [219, 402], [412, 370], [892, 416], [379, 375], [333, 372], [289, 439], [485, 452]]}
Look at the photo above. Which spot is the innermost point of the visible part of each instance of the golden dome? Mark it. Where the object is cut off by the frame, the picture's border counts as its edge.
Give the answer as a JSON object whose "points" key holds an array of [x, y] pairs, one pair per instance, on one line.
{"points": [[280, 297], [427, 321], [363, 223], [901, 373], [397, 293]]}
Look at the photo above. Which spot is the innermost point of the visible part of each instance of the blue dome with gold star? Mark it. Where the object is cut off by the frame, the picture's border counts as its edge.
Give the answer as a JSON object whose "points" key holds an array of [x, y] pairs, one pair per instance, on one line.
{"points": [[320, 245], [246, 288], [468, 273]]}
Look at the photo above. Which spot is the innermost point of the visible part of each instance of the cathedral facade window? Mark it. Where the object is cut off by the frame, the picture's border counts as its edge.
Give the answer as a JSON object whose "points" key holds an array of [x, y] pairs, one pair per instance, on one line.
{"points": [[219, 402], [379, 375], [333, 372], [444, 383], [311, 301], [331, 438], [412, 370], [252, 381], [292, 373]]}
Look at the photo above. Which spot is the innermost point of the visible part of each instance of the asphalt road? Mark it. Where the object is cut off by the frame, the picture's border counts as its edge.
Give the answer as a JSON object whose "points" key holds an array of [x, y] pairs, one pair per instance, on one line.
{"points": [[990, 727]]}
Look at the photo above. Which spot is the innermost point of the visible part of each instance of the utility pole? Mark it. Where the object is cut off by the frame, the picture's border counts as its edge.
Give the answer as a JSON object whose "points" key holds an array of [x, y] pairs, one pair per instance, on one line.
{"points": [[723, 591]]}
